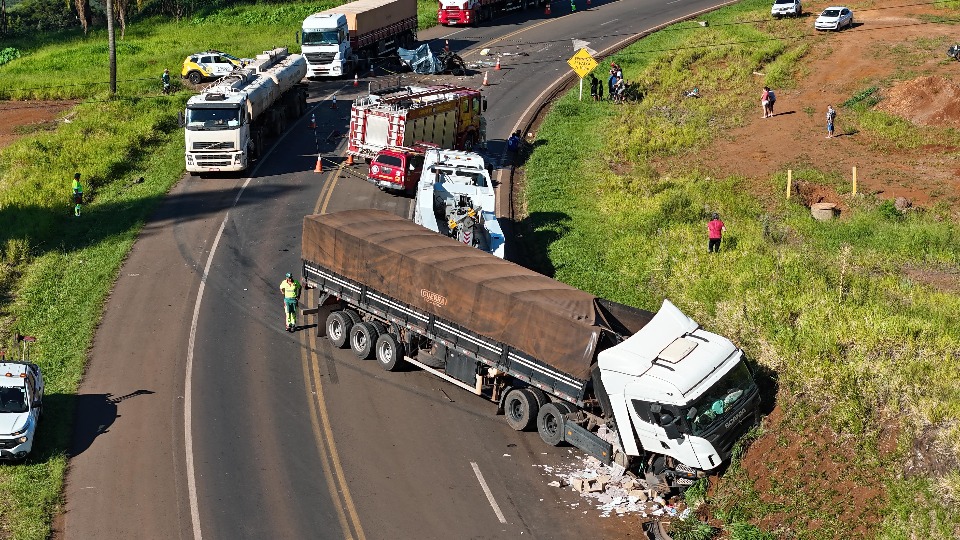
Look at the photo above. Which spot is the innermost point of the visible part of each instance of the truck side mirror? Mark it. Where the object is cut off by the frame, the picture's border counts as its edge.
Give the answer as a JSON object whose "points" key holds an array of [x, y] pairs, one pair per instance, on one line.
{"points": [[296, 37], [181, 119], [484, 105]]}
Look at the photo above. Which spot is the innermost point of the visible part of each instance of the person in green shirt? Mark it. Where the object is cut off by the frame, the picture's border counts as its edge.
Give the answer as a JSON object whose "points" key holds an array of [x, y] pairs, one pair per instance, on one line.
{"points": [[77, 195], [291, 298]]}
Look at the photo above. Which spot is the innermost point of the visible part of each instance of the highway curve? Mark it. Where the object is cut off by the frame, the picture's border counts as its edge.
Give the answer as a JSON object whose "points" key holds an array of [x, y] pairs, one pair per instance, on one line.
{"points": [[288, 437]]}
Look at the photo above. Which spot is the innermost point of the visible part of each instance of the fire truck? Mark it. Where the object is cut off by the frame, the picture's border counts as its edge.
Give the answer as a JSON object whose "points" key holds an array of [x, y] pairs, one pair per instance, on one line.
{"points": [[447, 116]]}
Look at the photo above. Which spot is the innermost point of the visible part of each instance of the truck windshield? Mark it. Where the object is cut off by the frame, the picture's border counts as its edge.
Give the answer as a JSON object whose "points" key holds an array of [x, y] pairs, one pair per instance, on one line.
{"points": [[212, 119], [713, 406], [13, 400], [460, 176], [320, 37]]}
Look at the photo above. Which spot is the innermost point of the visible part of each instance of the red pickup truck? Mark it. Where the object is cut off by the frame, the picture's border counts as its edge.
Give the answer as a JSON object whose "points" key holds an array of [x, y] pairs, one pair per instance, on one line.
{"points": [[397, 168]]}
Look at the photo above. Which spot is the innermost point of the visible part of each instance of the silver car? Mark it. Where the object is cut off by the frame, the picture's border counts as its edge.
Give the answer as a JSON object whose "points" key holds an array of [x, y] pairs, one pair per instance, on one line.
{"points": [[834, 18]]}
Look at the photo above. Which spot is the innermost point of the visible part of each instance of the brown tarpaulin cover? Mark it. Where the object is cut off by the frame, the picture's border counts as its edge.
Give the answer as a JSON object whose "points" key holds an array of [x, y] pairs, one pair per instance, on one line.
{"points": [[551, 321]]}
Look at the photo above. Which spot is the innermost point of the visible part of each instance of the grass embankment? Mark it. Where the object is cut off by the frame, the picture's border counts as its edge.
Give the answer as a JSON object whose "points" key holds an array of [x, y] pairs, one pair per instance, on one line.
{"points": [[56, 270], [837, 316]]}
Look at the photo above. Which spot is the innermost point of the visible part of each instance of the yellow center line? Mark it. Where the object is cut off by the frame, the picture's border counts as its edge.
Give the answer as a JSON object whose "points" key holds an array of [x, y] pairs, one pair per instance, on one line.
{"points": [[327, 192], [314, 420], [331, 447]]}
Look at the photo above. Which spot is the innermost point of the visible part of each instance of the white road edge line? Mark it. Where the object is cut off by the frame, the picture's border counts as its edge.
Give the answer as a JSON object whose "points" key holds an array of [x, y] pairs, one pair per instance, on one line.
{"points": [[608, 22], [188, 382], [486, 490]]}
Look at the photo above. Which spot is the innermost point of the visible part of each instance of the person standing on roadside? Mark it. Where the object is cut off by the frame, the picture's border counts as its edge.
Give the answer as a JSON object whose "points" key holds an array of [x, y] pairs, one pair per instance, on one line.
{"points": [[715, 230], [291, 298], [831, 116], [594, 83], [771, 100], [77, 195], [765, 102]]}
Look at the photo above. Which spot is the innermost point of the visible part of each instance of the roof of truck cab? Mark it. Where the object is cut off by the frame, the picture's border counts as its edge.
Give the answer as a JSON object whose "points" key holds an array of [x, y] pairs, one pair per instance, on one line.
{"points": [[13, 374]]}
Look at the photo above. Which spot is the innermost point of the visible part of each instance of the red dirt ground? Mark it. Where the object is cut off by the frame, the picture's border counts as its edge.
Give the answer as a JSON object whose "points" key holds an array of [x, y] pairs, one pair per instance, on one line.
{"points": [[889, 44], [16, 117]]}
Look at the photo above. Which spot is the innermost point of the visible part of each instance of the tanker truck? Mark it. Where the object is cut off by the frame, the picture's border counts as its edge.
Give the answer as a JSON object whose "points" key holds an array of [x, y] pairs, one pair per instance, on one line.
{"points": [[651, 392], [227, 124], [347, 38]]}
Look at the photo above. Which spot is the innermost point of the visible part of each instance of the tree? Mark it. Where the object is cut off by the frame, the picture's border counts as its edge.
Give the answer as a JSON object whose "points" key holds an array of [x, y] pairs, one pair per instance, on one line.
{"points": [[83, 13], [3, 17], [120, 7]]}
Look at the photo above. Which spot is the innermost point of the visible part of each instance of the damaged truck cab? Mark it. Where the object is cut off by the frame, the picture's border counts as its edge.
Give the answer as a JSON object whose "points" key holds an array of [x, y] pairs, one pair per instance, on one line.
{"points": [[689, 402]]}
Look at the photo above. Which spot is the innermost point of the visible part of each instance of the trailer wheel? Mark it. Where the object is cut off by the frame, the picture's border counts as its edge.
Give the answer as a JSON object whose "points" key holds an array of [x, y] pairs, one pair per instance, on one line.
{"points": [[550, 423], [521, 408], [363, 336], [338, 328], [389, 352]]}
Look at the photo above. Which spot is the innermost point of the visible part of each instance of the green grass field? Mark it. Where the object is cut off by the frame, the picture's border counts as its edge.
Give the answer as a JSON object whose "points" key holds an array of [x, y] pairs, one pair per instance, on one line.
{"points": [[56, 270], [827, 311]]}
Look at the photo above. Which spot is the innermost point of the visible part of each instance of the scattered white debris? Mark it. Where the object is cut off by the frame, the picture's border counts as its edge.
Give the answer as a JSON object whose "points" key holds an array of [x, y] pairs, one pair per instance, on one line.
{"points": [[506, 455], [610, 489]]}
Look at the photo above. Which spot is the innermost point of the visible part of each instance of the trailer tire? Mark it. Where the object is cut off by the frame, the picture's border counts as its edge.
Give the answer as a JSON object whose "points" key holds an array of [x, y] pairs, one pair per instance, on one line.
{"points": [[389, 352], [338, 328], [363, 336], [550, 423], [521, 408]]}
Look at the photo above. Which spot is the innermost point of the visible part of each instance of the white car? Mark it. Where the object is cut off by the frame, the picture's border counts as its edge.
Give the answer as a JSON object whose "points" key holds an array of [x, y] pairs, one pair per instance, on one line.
{"points": [[834, 18], [782, 8], [21, 396]]}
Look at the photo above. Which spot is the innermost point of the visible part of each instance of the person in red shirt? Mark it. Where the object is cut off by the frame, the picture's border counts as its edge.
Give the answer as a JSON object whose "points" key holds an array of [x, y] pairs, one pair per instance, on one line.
{"points": [[715, 230]]}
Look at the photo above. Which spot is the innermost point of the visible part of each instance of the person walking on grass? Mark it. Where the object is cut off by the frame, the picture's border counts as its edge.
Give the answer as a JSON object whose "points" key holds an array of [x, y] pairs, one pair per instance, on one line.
{"points": [[715, 230], [291, 298], [77, 195], [831, 116]]}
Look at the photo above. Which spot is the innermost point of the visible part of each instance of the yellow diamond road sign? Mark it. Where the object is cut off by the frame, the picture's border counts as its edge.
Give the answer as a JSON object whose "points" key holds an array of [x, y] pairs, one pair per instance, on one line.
{"points": [[582, 63]]}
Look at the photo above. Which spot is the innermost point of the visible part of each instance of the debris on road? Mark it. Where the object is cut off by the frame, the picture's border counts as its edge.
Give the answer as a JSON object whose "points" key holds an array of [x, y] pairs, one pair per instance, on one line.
{"points": [[611, 490]]}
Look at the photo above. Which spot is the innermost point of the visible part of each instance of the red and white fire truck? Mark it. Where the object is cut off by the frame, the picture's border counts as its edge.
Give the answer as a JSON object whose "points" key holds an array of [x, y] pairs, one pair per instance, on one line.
{"points": [[447, 116]]}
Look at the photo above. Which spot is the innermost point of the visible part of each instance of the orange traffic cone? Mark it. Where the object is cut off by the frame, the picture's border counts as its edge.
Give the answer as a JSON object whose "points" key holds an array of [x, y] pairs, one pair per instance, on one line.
{"points": [[356, 80], [497, 67], [319, 167], [313, 121], [350, 159], [485, 82], [547, 10]]}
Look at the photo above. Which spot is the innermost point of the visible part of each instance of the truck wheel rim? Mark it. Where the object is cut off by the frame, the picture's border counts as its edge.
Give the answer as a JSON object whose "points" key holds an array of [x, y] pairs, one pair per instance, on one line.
{"points": [[551, 425], [335, 330], [516, 409], [386, 352]]}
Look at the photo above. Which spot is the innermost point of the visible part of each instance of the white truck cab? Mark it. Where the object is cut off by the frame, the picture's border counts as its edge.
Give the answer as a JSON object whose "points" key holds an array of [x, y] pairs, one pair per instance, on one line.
{"points": [[691, 401], [325, 42], [21, 397]]}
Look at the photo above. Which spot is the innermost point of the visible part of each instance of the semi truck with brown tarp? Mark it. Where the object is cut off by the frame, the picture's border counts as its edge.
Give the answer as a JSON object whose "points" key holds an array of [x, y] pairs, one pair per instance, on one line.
{"points": [[651, 392]]}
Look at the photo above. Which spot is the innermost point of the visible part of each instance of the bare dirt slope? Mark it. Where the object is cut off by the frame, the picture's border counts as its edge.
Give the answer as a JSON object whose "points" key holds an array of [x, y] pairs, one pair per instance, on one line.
{"points": [[894, 48]]}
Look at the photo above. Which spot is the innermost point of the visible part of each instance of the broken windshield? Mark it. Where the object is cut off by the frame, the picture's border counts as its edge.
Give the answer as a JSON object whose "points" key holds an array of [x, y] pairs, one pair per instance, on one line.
{"points": [[713, 406], [202, 119]]}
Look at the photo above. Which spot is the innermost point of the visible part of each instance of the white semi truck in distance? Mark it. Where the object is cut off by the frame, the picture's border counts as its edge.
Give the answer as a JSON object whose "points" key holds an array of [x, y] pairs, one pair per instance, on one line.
{"points": [[228, 123], [652, 392], [346, 39]]}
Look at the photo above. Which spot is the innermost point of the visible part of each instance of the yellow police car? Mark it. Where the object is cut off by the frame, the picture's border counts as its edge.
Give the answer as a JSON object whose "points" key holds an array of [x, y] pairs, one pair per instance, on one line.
{"points": [[205, 66]]}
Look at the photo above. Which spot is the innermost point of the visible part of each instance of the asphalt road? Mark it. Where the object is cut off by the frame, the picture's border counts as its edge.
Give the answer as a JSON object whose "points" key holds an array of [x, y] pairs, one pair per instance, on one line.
{"points": [[289, 438]]}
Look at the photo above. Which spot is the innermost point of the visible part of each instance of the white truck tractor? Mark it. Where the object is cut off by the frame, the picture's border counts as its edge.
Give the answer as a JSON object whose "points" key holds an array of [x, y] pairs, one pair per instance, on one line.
{"points": [[227, 124]]}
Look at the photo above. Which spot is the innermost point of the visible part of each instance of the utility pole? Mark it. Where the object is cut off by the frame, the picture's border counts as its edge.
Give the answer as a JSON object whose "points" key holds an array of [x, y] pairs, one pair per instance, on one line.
{"points": [[113, 47]]}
